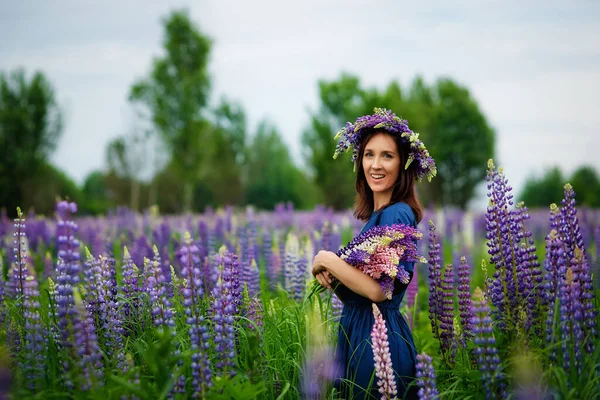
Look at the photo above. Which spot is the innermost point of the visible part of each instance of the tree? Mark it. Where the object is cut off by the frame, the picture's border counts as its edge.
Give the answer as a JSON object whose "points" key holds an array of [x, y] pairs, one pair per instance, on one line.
{"points": [[272, 176], [586, 185], [126, 157], [95, 192], [222, 178], [342, 100], [549, 187], [41, 190], [543, 191], [460, 140], [176, 93], [30, 127]]}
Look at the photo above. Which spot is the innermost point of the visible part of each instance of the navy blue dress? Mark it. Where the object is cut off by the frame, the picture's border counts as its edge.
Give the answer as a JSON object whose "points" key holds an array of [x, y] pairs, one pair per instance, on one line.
{"points": [[354, 354]]}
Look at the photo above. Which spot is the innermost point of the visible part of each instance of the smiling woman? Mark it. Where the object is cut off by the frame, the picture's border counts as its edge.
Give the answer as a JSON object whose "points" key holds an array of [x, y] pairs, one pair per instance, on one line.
{"points": [[390, 159], [381, 166]]}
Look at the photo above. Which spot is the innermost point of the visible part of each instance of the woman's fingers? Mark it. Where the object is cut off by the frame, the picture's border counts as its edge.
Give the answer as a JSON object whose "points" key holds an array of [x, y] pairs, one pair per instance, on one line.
{"points": [[323, 281], [327, 276]]}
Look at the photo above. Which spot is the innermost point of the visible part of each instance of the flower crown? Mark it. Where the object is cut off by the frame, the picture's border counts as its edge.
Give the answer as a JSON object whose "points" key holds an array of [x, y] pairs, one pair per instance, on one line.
{"points": [[351, 135]]}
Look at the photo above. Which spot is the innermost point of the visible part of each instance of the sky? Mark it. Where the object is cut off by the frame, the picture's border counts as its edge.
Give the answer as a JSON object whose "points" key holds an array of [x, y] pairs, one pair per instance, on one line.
{"points": [[532, 66]]}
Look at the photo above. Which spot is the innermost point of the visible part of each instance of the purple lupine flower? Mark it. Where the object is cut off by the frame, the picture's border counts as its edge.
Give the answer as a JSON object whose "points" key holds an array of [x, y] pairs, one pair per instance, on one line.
{"points": [[570, 229], [435, 282], [271, 268], [130, 287], [2, 294], [250, 273], [141, 249], [571, 323], [426, 378], [88, 356], [485, 351], [512, 250], [576, 258], [48, 265], [253, 311], [161, 236], [223, 311], [336, 307], [412, 289], [528, 271], [203, 233], [192, 292], [446, 315], [34, 342], [66, 241], [464, 299], [103, 306], [326, 237], [299, 277], [318, 371], [555, 268], [157, 289], [290, 266], [498, 239], [66, 314], [19, 271], [253, 278], [386, 380]]}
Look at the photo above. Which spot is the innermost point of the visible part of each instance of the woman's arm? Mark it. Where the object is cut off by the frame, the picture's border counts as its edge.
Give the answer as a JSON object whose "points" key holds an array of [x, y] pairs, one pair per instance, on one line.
{"points": [[353, 278]]}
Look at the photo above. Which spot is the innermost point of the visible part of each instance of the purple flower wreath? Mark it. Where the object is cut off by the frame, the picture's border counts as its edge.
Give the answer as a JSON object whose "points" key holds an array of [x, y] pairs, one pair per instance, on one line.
{"points": [[351, 136]]}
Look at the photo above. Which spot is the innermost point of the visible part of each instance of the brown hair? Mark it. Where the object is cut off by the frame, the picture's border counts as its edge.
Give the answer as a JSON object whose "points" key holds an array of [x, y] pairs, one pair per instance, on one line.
{"points": [[404, 188]]}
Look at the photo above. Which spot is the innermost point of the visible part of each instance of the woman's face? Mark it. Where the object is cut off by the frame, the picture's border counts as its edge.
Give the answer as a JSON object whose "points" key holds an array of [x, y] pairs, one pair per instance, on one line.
{"points": [[381, 163]]}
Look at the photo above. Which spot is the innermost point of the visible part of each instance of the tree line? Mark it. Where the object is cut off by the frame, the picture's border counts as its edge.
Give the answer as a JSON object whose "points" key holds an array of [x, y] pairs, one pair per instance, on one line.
{"points": [[203, 154], [543, 190]]}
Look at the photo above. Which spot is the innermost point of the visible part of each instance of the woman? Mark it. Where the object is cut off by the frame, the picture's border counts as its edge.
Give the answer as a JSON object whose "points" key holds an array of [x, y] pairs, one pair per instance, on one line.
{"points": [[390, 159]]}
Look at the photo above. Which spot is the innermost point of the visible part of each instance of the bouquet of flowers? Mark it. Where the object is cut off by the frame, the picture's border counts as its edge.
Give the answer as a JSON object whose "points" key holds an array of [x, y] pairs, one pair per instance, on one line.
{"points": [[378, 251]]}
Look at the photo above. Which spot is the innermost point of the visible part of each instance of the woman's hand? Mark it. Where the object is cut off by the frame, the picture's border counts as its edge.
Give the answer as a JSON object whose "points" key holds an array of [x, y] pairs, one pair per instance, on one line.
{"points": [[324, 279], [323, 261]]}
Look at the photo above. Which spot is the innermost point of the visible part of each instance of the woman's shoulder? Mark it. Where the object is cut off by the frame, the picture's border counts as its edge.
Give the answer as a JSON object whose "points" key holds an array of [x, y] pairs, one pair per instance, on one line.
{"points": [[399, 213]]}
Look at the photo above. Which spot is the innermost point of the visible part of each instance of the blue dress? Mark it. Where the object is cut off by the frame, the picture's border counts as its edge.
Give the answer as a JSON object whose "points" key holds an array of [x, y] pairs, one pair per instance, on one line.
{"points": [[354, 355]]}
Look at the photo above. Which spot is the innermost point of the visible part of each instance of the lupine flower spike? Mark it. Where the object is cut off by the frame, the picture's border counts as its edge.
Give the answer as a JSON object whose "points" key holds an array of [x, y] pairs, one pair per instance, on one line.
{"points": [[386, 380]]}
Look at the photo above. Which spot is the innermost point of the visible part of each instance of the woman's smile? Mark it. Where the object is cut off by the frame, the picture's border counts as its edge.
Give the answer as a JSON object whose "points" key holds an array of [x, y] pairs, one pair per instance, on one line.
{"points": [[381, 163]]}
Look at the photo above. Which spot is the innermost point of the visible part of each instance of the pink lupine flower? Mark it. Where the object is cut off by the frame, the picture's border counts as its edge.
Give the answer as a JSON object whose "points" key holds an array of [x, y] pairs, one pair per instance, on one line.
{"points": [[381, 355]]}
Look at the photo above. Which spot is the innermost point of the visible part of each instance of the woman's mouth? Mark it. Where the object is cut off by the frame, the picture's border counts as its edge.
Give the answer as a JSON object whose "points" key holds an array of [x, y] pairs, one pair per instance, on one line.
{"points": [[377, 177]]}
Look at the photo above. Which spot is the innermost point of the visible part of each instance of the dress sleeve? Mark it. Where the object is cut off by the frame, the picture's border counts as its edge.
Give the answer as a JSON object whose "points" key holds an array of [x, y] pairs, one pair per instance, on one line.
{"points": [[400, 214]]}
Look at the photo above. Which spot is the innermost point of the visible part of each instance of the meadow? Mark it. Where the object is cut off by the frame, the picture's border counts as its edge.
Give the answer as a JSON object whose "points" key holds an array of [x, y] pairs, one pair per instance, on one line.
{"points": [[216, 305]]}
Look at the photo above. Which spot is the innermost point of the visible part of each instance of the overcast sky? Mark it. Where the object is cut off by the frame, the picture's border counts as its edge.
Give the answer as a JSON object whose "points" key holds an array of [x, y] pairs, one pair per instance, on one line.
{"points": [[533, 66]]}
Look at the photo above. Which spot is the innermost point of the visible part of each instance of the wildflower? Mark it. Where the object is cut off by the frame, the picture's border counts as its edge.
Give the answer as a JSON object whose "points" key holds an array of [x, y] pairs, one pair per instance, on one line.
{"points": [[381, 355], [426, 378]]}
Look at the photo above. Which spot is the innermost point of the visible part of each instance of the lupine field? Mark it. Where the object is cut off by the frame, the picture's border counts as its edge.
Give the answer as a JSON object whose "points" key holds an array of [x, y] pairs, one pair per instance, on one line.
{"points": [[217, 306]]}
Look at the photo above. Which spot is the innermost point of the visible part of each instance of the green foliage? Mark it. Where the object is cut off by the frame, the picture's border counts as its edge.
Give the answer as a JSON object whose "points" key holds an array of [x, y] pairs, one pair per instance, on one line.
{"points": [[586, 183], [96, 194], [30, 126], [41, 190], [341, 100], [460, 140], [543, 191], [224, 152], [176, 94], [272, 176]]}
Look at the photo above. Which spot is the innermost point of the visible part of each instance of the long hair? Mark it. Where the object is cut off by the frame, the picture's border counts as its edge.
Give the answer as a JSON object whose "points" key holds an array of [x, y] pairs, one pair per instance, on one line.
{"points": [[403, 189]]}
